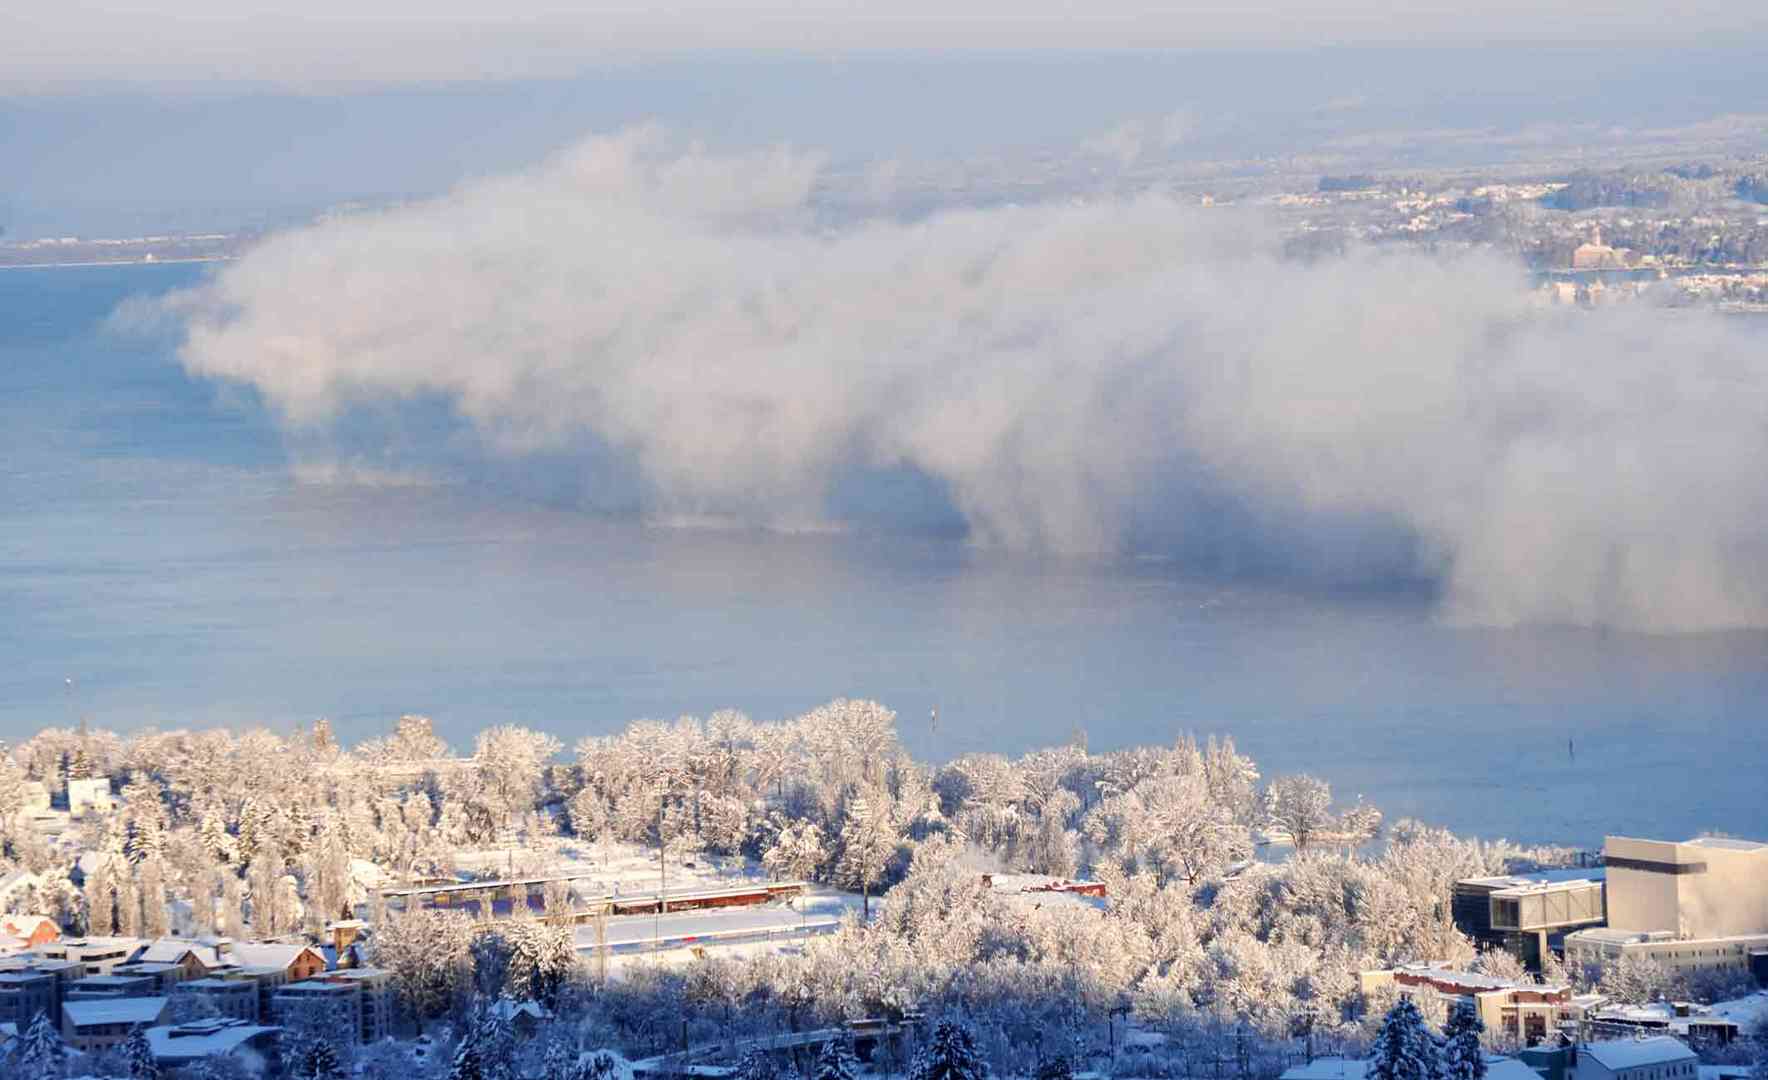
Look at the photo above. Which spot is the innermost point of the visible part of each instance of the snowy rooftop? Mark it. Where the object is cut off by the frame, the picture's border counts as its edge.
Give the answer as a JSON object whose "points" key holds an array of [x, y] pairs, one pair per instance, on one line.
{"points": [[1632, 1053], [1728, 843], [1335, 1068], [199, 1040], [1542, 879], [139, 1010], [268, 954]]}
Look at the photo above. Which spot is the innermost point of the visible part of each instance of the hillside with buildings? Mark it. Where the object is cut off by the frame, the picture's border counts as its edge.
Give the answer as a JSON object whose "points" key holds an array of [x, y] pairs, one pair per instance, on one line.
{"points": [[727, 898]]}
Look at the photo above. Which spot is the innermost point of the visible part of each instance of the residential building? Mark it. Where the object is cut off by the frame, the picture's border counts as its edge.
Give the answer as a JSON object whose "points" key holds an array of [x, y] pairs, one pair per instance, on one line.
{"points": [[166, 974], [90, 795], [95, 955], [181, 1045], [1528, 914], [33, 930], [264, 981], [297, 961], [235, 999], [330, 1006], [88, 1026], [24, 994], [1657, 1058], [1337, 1068], [1524, 1012], [112, 986], [361, 998]]}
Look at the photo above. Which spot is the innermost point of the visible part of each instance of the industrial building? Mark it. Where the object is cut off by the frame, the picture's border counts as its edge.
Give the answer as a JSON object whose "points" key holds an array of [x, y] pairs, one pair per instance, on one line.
{"points": [[1696, 905], [1528, 914]]}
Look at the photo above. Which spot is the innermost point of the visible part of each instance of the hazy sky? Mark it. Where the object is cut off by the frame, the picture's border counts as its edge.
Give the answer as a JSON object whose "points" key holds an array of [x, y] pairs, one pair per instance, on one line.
{"points": [[375, 41]]}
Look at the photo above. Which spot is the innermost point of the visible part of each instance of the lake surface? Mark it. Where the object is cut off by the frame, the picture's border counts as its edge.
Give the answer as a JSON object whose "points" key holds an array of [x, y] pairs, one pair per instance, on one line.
{"points": [[156, 548]]}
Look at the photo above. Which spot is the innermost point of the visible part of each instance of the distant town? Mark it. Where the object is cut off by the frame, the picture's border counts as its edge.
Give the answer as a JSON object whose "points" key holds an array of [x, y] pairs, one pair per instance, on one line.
{"points": [[723, 898]]}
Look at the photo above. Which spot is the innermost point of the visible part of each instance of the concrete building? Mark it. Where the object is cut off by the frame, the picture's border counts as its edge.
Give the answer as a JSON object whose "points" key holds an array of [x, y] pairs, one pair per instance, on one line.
{"points": [[1337, 1068], [95, 955], [1526, 1013], [1705, 888], [1699, 904], [1656, 1058], [166, 974], [234, 999], [182, 1045], [88, 1026], [24, 994], [93, 987], [1528, 914], [330, 1006], [360, 999]]}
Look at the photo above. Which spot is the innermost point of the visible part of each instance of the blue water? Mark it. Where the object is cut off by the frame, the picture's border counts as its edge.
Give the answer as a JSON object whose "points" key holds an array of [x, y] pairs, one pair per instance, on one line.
{"points": [[154, 548]]}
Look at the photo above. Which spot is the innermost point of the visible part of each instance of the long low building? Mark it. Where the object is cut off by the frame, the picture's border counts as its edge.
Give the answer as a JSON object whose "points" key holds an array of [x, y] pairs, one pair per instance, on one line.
{"points": [[181, 1045], [1524, 1012], [101, 1023]]}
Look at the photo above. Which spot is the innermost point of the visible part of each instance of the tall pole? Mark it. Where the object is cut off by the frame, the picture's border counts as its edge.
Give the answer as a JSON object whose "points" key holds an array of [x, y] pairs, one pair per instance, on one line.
{"points": [[662, 879]]}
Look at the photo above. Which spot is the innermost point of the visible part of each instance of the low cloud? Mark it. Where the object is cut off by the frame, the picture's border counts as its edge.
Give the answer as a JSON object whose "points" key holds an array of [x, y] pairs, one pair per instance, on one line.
{"points": [[677, 332]]}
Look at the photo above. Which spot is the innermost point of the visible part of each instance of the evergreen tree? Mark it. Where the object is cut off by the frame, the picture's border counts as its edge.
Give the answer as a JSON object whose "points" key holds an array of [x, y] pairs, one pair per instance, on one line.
{"points": [[138, 1052], [1404, 1049], [1056, 1067], [756, 1065], [836, 1061], [949, 1055], [467, 1063], [559, 1061], [41, 1055], [1463, 1059]]}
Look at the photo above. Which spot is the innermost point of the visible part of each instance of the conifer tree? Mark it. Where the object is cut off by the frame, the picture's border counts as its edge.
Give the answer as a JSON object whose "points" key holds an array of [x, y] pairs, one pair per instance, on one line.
{"points": [[949, 1055], [1463, 1059], [138, 1052], [836, 1061], [41, 1054], [1404, 1049]]}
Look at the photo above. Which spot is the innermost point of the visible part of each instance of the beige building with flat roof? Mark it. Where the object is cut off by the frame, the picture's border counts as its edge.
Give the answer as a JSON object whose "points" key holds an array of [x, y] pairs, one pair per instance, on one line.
{"points": [[1692, 904]]}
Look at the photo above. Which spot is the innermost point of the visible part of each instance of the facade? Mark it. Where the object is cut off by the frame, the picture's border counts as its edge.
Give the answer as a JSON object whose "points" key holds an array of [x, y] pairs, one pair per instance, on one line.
{"points": [[182, 1045], [166, 975], [33, 930], [233, 999], [1697, 905], [90, 795], [329, 1006], [95, 955], [264, 981], [1528, 914], [112, 986], [1657, 1058], [1523, 1012], [359, 999], [100, 1024], [24, 994]]}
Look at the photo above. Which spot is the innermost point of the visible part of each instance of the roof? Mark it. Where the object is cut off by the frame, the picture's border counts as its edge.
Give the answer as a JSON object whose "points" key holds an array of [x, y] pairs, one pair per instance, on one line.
{"points": [[1633, 1053], [1336, 1068], [26, 925], [270, 954], [174, 950], [135, 1010], [1729, 844], [1541, 879], [188, 1042]]}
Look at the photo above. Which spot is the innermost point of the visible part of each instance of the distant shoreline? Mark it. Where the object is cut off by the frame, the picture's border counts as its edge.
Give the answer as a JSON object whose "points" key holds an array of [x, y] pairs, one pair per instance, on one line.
{"points": [[116, 262]]}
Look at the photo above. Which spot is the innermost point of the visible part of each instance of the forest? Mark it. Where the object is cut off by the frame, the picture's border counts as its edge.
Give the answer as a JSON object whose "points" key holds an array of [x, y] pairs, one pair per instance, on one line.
{"points": [[1228, 956]]}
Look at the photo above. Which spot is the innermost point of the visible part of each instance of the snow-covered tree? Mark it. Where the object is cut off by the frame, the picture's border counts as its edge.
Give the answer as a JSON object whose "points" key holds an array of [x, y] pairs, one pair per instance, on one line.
{"points": [[836, 1061], [867, 842], [524, 959], [1404, 1049], [41, 1054], [429, 954], [950, 1054], [137, 1053], [1301, 805], [1463, 1058], [756, 1065]]}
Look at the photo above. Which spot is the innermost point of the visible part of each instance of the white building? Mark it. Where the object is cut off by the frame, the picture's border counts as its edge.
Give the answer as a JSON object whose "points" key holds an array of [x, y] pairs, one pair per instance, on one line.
{"points": [[1656, 1058], [90, 795], [1698, 904]]}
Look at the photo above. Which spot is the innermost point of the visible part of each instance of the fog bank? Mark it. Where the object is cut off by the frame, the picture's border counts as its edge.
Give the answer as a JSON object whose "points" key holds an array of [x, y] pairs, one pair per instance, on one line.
{"points": [[680, 334]]}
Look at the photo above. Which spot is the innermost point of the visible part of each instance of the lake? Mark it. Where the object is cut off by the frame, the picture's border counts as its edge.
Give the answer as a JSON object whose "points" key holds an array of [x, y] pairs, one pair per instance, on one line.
{"points": [[157, 548]]}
